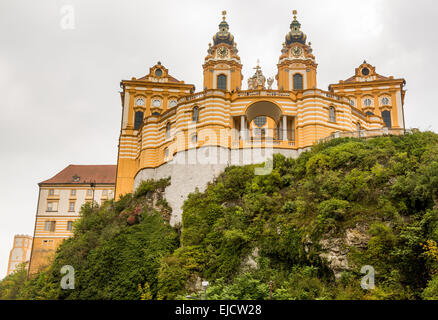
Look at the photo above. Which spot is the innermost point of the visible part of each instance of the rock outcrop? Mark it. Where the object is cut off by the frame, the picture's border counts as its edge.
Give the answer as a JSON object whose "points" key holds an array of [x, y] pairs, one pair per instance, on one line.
{"points": [[337, 249]]}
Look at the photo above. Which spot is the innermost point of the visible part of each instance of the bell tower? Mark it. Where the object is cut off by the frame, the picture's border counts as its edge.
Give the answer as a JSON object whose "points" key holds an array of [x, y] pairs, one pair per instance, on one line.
{"points": [[296, 65], [222, 67]]}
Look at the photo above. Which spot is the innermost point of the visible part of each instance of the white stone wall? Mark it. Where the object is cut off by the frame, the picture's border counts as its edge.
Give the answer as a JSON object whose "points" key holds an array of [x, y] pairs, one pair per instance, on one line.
{"points": [[195, 168]]}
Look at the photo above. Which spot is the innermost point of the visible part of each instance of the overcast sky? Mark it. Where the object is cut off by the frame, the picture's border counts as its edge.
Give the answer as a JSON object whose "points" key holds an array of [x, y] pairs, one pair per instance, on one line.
{"points": [[60, 101]]}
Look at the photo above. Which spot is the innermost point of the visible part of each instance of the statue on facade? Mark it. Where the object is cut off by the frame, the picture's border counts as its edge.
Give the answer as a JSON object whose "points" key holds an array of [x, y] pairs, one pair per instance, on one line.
{"points": [[257, 81], [270, 82]]}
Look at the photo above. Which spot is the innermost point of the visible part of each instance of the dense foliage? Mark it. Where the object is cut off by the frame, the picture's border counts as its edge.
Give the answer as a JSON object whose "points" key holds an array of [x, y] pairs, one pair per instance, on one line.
{"points": [[256, 236]]}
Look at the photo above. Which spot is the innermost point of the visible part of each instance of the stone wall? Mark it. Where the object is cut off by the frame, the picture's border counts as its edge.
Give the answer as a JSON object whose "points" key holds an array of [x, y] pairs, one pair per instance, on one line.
{"points": [[195, 168]]}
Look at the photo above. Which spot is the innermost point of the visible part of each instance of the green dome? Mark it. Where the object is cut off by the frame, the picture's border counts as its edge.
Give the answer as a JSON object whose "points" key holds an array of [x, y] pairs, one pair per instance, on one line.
{"points": [[223, 35], [295, 34]]}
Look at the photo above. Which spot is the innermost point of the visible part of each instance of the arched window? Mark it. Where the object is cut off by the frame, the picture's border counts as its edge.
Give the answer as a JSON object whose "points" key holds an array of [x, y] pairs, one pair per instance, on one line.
{"points": [[298, 81], [386, 115], [332, 114], [385, 101], [195, 114], [138, 120], [369, 113], [194, 138], [168, 130], [367, 102], [222, 82]]}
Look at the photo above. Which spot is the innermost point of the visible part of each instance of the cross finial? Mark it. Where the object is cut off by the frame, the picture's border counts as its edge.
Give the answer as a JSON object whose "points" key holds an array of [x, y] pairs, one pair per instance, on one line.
{"points": [[258, 65], [224, 13], [294, 12]]}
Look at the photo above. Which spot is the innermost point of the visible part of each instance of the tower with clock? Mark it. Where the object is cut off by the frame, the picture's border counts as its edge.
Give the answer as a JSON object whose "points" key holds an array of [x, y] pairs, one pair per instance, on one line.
{"points": [[296, 65], [222, 66], [168, 129]]}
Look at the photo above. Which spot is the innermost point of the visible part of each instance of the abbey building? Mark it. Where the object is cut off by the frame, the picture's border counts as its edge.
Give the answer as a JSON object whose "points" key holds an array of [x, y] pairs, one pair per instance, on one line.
{"points": [[168, 129]]}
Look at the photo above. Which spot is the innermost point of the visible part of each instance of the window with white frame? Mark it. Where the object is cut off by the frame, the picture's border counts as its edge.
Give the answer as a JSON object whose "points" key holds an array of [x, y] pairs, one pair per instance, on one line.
{"points": [[222, 82], [52, 206], [385, 101], [50, 226], [298, 81], [195, 114], [386, 115], [168, 130], [332, 114], [367, 102]]}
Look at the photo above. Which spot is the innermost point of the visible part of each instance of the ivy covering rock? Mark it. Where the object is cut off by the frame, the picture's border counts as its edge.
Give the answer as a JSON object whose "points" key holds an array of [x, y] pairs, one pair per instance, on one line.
{"points": [[307, 228]]}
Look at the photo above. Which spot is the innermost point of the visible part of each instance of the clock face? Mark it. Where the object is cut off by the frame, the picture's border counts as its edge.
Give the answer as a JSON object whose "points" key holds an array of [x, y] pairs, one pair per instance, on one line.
{"points": [[296, 51], [156, 103], [222, 52], [158, 72], [139, 102]]}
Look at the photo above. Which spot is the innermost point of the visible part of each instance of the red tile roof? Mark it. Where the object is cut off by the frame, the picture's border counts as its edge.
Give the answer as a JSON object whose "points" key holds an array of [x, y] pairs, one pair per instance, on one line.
{"points": [[79, 174]]}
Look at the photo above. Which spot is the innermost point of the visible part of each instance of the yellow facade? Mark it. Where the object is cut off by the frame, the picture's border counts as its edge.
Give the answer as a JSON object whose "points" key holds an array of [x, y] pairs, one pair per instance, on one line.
{"points": [[292, 117], [59, 203]]}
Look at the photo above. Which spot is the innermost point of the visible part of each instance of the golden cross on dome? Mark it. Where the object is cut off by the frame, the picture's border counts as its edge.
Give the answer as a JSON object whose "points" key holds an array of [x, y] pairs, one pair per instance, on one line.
{"points": [[224, 13], [294, 12]]}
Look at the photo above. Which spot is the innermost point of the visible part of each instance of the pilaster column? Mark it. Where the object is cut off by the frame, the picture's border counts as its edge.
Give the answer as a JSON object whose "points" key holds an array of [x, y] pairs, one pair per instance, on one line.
{"points": [[279, 130], [284, 128], [293, 129], [242, 128]]}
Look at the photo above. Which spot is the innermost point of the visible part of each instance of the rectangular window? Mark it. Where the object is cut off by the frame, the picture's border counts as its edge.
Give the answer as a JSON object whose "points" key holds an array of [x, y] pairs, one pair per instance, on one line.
{"points": [[73, 192], [71, 206], [50, 226], [52, 206], [69, 225], [105, 193], [138, 121], [51, 192], [298, 81], [386, 115], [222, 82], [89, 192]]}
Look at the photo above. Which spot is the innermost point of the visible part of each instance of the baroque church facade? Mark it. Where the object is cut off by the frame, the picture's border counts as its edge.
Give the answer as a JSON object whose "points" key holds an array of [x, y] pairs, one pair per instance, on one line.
{"points": [[168, 129]]}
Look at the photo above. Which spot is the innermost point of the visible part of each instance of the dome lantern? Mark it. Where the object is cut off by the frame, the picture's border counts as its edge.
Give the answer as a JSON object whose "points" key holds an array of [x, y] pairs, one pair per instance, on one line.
{"points": [[295, 34], [223, 35]]}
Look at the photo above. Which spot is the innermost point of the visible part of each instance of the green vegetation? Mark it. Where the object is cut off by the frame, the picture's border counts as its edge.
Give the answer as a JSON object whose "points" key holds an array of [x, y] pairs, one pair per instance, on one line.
{"points": [[372, 202]]}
